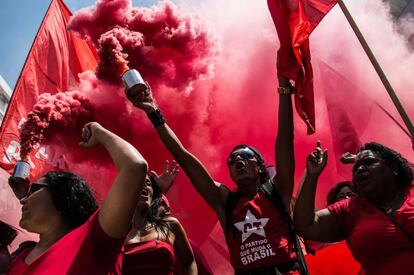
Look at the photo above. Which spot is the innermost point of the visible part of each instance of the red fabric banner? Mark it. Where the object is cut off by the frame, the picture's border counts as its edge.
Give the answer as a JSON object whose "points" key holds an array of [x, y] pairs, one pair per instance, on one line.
{"points": [[304, 16], [294, 21], [342, 118], [52, 65], [333, 259]]}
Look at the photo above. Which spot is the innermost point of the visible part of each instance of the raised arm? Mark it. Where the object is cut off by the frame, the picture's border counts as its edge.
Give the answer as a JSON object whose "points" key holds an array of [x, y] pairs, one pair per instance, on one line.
{"points": [[320, 226], [168, 175], [19, 188], [119, 205], [284, 154], [215, 194]]}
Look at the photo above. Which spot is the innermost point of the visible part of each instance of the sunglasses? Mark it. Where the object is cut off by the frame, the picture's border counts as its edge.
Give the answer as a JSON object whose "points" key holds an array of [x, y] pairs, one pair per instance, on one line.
{"points": [[245, 153], [35, 187]]}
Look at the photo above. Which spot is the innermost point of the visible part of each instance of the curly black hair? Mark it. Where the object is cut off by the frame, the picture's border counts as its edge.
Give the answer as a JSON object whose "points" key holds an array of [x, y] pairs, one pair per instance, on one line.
{"points": [[403, 169], [71, 196], [331, 198], [264, 175]]}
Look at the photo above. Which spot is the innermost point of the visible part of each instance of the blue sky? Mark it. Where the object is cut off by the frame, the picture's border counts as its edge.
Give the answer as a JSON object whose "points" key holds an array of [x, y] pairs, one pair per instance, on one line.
{"points": [[19, 22]]}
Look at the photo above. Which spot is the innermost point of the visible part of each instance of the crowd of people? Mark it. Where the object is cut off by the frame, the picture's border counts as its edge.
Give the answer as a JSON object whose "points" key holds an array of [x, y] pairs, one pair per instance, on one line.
{"points": [[134, 232]]}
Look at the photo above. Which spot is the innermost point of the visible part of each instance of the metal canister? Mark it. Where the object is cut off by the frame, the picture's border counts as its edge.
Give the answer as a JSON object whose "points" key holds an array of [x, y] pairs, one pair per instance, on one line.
{"points": [[21, 172], [135, 85]]}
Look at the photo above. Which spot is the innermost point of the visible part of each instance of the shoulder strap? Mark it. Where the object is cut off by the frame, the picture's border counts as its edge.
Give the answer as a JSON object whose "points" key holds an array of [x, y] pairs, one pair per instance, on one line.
{"points": [[390, 216], [269, 189], [231, 202]]}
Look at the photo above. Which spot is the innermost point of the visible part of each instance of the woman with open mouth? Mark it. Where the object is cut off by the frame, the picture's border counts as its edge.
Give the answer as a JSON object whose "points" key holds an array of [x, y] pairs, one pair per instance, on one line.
{"points": [[76, 236], [156, 238], [257, 224], [377, 223]]}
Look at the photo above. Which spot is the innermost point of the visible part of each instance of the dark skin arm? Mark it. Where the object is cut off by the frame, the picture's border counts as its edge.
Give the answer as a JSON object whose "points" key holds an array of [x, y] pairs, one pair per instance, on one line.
{"points": [[215, 194], [319, 226], [19, 188], [284, 153]]}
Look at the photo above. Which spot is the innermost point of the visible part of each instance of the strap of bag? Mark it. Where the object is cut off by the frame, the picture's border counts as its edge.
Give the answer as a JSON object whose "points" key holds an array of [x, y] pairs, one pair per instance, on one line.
{"points": [[268, 189], [389, 213], [231, 202]]}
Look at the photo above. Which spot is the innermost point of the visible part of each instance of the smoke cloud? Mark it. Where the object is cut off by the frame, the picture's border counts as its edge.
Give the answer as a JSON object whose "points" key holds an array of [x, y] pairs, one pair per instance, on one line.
{"points": [[238, 105], [50, 115], [169, 47]]}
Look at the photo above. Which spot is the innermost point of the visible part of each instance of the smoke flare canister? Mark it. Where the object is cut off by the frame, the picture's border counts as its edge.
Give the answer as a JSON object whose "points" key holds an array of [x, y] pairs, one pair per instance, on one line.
{"points": [[21, 172], [134, 83]]}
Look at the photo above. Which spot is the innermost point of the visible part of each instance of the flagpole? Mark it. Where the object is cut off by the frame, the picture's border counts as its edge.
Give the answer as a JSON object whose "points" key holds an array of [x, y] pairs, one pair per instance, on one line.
{"points": [[393, 119], [377, 68]]}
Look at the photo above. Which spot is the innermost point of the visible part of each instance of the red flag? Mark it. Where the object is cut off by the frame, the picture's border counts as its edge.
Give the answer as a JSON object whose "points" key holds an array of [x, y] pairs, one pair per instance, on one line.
{"points": [[52, 65], [294, 21], [344, 135]]}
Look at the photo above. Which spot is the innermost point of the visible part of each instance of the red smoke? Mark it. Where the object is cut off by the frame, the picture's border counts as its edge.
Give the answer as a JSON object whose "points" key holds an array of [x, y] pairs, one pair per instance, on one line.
{"points": [[240, 104], [55, 115], [165, 45], [112, 61]]}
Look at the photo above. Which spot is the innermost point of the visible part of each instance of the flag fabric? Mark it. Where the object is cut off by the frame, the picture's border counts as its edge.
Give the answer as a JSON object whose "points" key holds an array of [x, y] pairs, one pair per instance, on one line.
{"points": [[294, 21], [304, 16], [345, 138], [55, 59]]}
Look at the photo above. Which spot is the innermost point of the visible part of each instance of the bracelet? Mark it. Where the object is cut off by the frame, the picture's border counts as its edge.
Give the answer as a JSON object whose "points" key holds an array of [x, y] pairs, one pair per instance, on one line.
{"points": [[286, 90], [157, 119]]}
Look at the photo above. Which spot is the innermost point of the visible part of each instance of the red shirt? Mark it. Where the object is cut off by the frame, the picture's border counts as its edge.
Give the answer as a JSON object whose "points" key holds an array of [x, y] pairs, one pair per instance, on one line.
{"points": [[374, 240], [262, 235], [85, 250], [335, 259], [152, 257]]}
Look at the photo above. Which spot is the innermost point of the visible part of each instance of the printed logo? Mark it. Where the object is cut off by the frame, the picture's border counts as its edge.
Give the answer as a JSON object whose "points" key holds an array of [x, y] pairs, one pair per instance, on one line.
{"points": [[251, 225]]}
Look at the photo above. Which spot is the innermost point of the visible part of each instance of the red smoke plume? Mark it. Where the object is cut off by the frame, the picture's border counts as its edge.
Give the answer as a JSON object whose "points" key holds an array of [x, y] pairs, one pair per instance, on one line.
{"points": [[112, 61], [54, 115], [240, 104], [165, 45]]}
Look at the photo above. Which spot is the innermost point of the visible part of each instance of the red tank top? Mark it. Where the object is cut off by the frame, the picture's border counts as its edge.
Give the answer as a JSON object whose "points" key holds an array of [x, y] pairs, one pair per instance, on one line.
{"points": [[152, 257], [262, 235]]}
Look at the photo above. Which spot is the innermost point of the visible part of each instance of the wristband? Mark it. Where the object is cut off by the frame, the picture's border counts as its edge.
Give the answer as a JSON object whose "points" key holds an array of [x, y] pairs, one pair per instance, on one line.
{"points": [[286, 90], [157, 119]]}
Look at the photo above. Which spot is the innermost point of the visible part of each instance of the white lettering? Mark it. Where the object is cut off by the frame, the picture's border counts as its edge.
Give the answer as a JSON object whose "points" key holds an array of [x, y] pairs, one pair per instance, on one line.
{"points": [[12, 152], [21, 122], [57, 160], [256, 255], [42, 153]]}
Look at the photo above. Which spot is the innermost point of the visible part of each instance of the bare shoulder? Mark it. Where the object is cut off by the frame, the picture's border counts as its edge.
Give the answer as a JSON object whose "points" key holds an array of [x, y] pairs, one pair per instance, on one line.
{"points": [[174, 224], [172, 220], [224, 191]]}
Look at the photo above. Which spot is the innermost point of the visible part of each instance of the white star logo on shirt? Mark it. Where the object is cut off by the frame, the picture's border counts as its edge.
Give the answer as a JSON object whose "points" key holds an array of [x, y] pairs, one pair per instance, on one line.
{"points": [[251, 225]]}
